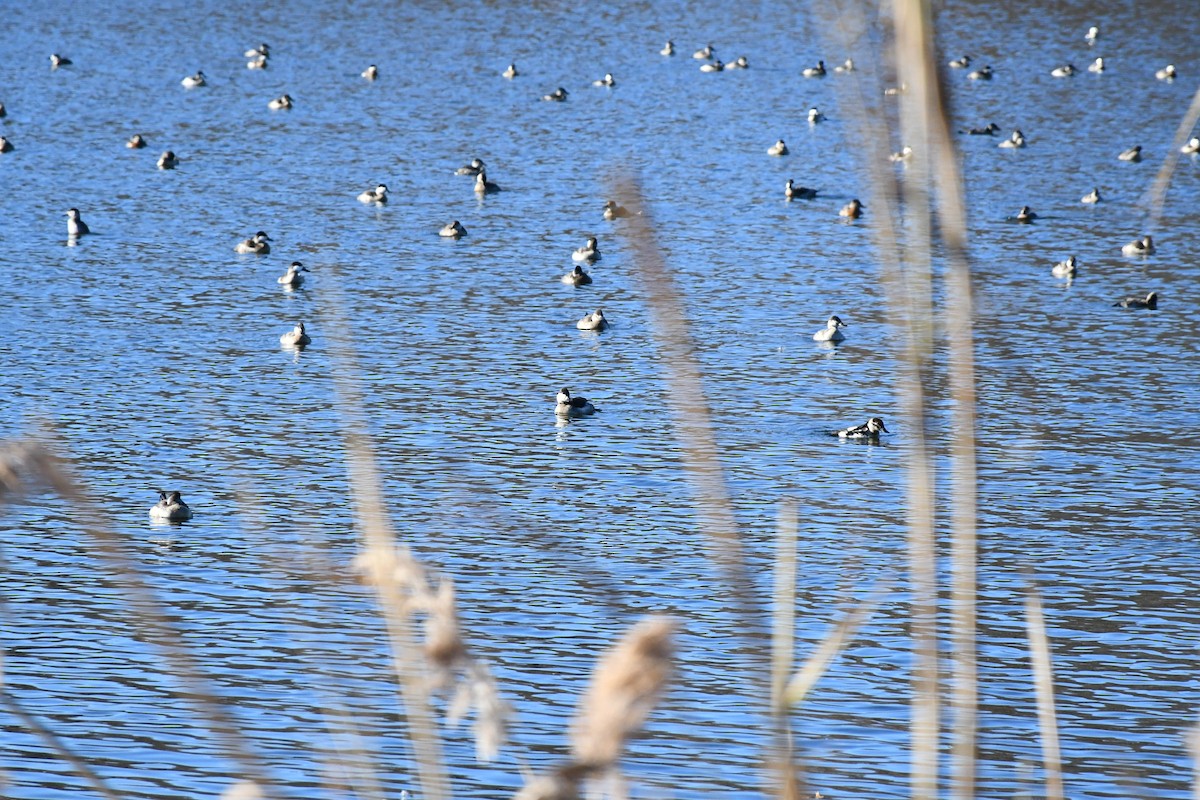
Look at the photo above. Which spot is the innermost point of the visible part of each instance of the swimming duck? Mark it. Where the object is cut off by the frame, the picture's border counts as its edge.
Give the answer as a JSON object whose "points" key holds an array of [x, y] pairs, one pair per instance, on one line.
{"points": [[296, 337], [815, 116], [57, 61], [258, 62], [483, 185], [960, 63], [1064, 269], [370, 73], [778, 149], [589, 253], [593, 322], [378, 195], [740, 63], [170, 508], [1065, 71], [981, 74], [1150, 302], [1167, 73], [192, 81], [1192, 146], [1139, 247], [1091, 197], [1015, 139], [280, 102], [262, 51], [845, 66], [557, 96], [904, 154], [293, 277], [1092, 35], [668, 49], [868, 430], [714, 66], [511, 72], [892, 91], [791, 190], [1096, 66], [1133, 154], [256, 244], [5, 145], [167, 160], [567, 406], [853, 209], [1025, 215], [814, 72], [136, 142], [474, 168], [75, 225], [614, 211], [453, 230], [607, 80], [577, 277], [990, 130], [704, 52], [832, 332]]}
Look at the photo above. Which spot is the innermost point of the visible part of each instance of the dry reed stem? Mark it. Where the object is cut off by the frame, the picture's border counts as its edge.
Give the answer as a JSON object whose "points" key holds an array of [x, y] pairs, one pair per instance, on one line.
{"points": [[1193, 745], [789, 778], [1043, 685], [46, 735], [1156, 195]]}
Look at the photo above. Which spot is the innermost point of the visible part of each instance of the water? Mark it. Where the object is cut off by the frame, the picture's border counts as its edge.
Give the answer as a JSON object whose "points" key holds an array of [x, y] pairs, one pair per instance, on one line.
{"points": [[154, 351]]}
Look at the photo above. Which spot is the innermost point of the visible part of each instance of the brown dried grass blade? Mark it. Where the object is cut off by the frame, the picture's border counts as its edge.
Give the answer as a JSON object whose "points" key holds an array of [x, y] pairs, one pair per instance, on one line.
{"points": [[54, 743], [1156, 195], [1043, 685]]}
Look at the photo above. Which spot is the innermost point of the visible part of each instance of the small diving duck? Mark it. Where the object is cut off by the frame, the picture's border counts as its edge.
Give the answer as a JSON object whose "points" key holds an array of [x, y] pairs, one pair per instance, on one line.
{"points": [[868, 430], [370, 73], [136, 142], [832, 332], [853, 209], [262, 51], [1096, 66], [981, 74], [511, 72], [1192, 147], [903, 155], [5, 145], [1092, 197], [278, 103], [474, 168], [960, 63], [378, 195], [589, 253], [1167, 73], [778, 149], [557, 96], [192, 81], [814, 72], [170, 508], [792, 191], [1139, 247], [257, 244], [1065, 71], [577, 277], [1015, 140], [296, 337], [990, 130], [292, 277], [567, 406], [607, 80], [705, 52], [1026, 214], [1065, 269], [75, 226], [593, 322], [1133, 154], [258, 62], [613, 211], [668, 49], [57, 61], [452, 231], [167, 160], [740, 63], [845, 66], [1150, 302], [714, 66], [1092, 35], [815, 116], [483, 185]]}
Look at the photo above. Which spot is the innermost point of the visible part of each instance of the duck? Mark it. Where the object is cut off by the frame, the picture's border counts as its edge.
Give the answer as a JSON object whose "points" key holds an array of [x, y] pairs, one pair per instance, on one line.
{"points": [[981, 74], [778, 149], [262, 51], [378, 195], [1026, 214], [903, 155], [845, 66], [1139, 247], [557, 96], [1092, 35], [589, 253], [57, 61], [370, 73], [1065, 269], [607, 80], [791, 190], [567, 406], [991, 129], [1091, 197], [714, 66], [815, 116], [75, 225], [474, 168], [593, 322], [483, 185], [868, 430], [256, 244], [577, 277], [292, 277], [452, 231], [1167, 73], [170, 508], [1015, 139], [814, 72], [705, 52], [853, 209], [1192, 146], [278, 103], [960, 63], [668, 49], [258, 62], [192, 81], [613, 211], [1065, 71], [296, 337], [135, 142], [511, 72], [167, 160], [1150, 302], [739, 63], [1133, 154], [1096, 66], [893, 91], [832, 332], [5, 145]]}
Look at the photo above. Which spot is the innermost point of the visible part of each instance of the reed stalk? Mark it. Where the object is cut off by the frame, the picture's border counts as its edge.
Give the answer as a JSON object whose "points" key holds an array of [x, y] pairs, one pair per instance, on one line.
{"points": [[1043, 685]]}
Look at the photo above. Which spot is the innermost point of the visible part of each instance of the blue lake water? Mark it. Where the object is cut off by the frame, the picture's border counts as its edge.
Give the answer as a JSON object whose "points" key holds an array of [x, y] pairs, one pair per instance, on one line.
{"points": [[153, 351]]}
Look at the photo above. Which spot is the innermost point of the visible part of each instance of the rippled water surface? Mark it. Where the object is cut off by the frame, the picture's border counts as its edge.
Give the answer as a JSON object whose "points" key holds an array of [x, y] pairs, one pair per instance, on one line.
{"points": [[153, 350]]}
